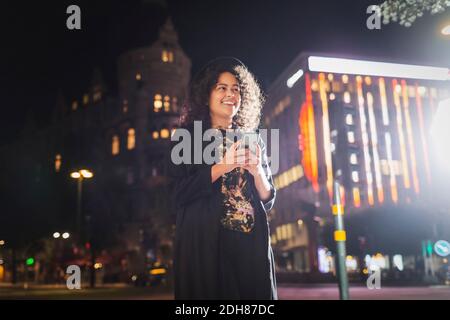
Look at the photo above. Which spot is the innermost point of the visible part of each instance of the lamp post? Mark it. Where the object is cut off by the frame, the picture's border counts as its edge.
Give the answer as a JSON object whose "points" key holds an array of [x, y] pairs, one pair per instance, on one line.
{"points": [[80, 175]]}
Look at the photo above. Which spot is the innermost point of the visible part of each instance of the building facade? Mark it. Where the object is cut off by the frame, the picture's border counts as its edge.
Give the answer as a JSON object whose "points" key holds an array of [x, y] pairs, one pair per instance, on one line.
{"points": [[366, 125], [122, 138]]}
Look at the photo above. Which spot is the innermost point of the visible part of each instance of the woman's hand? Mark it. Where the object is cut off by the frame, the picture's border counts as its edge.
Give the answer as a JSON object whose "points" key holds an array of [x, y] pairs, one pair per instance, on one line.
{"points": [[253, 163], [234, 157]]}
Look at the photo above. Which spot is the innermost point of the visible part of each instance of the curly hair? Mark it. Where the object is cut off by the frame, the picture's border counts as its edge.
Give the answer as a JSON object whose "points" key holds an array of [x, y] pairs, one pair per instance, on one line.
{"points": [[196, 106]]}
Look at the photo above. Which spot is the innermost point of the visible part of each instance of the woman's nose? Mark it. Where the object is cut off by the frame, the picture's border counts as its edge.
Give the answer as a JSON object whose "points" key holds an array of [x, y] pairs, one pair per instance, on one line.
{"points": [[230, 93]]}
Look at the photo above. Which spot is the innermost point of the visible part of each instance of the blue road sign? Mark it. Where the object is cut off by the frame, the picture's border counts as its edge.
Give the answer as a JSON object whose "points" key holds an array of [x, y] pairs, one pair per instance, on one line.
{"points": [[442, 248]]}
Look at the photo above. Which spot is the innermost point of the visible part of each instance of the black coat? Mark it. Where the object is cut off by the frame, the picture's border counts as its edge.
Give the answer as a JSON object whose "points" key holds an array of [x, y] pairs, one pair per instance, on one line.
{"points": [[198, 206]]}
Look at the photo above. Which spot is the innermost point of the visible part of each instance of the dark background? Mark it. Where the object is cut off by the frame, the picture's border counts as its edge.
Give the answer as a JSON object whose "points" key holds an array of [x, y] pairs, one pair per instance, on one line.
{"points": [[40, 56]]}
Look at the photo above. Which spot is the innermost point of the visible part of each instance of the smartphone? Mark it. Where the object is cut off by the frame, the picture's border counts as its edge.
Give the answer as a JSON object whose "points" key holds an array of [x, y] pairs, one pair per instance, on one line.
{"points": [[249, 140]]}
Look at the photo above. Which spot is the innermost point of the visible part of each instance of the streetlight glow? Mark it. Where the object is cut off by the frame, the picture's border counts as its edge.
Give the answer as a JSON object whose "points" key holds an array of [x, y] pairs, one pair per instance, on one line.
{"points": [[75, 175], [2, 242], [446, 30], [66, 235], [86, 173], [56, 235]]}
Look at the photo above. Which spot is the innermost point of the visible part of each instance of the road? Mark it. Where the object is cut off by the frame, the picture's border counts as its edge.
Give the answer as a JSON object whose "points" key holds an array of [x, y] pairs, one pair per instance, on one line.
{"points": [[285, 292]]}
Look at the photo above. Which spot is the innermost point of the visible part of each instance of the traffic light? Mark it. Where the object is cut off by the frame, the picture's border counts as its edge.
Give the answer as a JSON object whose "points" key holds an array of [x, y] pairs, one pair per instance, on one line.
{"points": [[30, 261]]}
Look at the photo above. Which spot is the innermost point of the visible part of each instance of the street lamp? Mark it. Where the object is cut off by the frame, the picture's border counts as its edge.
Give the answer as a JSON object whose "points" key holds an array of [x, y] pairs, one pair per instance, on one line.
{"points": [[446, 30], [80, 175], [56, 235]]}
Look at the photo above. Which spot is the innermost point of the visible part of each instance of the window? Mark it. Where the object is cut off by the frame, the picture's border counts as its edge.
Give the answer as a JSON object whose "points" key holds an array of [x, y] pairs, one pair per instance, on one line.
{"points": [[138, 76], [349, 119], [115, 145], [165, 133], [353, 159], [130, 176], [174, 104], [125, 106], [157, 103], [347, 98], [131, 141], [166, 103], [58, 163], [355, 176], [85, 99], [351, 136], [97, 96], [74, 105], [167, 56]]}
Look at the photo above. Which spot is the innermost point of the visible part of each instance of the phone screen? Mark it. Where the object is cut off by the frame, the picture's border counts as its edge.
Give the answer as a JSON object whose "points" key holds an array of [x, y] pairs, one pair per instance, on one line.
{"points": [[248, 140]]}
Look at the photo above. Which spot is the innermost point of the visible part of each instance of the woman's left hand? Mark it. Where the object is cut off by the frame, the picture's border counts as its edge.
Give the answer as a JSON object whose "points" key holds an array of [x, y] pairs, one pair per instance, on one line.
{"points": [[253, 163]]}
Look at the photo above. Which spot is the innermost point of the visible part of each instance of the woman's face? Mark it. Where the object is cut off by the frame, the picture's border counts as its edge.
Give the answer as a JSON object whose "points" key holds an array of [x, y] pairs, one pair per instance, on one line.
{"points": [[225, 98]]}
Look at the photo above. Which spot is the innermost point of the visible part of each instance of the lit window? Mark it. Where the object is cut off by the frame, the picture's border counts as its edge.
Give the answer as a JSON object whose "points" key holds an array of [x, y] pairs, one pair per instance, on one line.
{"points": [[58, 162], [155, 135], [332, 96], [138, 77], [131, 142], [345, 78], [166, 103], [97, 96], [165, 56], [165, 133], [157, 104], [74, 105], [347, 98], [353, 159], [355, 176], [115, 145], [330, 77], [349, 119], [125, 106], [351, 136], [85, 99], [368, 81], [174, 104]]}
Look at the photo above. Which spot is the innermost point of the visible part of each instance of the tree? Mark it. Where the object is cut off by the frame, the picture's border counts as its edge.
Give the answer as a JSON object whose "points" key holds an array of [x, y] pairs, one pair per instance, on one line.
{"points": [[407, 11]]}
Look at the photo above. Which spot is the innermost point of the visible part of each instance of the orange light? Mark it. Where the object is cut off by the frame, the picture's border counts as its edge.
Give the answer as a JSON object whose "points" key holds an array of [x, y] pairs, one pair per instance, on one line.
{"points": [[401, 137], [356, 197], [308, 131], [365, 140], [326, 134], [412, 150], [158, 271]]}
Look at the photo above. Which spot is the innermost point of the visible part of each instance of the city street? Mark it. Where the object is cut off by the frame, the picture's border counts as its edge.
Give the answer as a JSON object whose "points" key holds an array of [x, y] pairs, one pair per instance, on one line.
{"points": [[286, 292]]}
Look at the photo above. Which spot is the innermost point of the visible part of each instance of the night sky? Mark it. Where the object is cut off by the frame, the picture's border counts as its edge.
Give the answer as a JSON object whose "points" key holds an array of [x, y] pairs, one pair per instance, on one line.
{"points": [[40, 56]]}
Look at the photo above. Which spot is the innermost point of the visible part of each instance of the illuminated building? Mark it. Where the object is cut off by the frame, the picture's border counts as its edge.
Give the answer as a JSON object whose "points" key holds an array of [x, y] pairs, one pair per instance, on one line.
{"points": [[364, 124]]}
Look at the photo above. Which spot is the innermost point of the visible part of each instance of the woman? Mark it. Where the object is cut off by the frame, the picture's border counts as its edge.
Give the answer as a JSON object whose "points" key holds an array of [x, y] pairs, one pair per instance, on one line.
{"points": [[222, 247]]}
